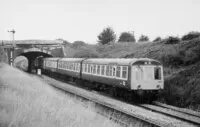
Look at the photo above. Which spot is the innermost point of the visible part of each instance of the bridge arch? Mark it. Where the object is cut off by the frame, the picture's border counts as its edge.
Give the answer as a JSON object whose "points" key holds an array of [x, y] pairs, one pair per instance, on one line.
{"points": [[31, 56]]}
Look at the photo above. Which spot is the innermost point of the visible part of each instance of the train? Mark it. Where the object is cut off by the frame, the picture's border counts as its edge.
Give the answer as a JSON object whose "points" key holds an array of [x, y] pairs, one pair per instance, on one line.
{"points": [[133, 78]]}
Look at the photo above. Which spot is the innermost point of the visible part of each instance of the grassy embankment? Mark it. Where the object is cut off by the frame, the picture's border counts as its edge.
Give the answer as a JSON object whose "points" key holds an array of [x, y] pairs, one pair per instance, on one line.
{"points": [[28, 102], [181, 65]]}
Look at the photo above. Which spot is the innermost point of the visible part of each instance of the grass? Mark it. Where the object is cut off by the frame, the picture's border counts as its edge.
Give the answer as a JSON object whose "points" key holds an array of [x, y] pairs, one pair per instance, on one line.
{"points": [[27, 101]]}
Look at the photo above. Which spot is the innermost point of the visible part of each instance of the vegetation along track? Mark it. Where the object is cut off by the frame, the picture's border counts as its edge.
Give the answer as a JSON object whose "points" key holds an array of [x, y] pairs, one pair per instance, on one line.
{"points": [[179, 113], [131, 113]]}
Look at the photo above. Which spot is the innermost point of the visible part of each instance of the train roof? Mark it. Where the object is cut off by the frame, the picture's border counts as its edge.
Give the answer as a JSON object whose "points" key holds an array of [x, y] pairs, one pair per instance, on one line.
{"points": [[120, 61], [117, 61], [72, 59], [65, 59], [52, 58]]}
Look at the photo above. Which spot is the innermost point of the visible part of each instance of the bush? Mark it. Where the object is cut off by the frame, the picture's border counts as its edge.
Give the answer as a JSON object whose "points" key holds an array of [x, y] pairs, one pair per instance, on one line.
{"points": [[171, 40], [126, 37], [190, 36], [77, 44], [143, 38]]}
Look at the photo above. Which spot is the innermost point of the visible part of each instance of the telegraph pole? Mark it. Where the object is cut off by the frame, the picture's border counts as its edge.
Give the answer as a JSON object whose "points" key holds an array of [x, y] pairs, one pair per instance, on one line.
{"points": [[12, 50]]}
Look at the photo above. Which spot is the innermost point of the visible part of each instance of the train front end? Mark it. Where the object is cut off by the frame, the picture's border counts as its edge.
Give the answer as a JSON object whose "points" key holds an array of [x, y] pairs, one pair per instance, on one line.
{"points": [[147, 78]]}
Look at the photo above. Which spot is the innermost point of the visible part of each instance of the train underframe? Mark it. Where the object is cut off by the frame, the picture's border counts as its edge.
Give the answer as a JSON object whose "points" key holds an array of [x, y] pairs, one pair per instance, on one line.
{"points": [[133, 96]]}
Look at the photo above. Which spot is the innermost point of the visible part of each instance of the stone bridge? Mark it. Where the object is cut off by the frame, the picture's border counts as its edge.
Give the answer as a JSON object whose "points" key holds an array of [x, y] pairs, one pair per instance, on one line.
{"points": [[32, 49]]}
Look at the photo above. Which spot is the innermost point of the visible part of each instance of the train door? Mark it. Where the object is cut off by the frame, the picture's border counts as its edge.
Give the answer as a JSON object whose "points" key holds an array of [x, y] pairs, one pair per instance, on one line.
{"points": [[136, 77]]}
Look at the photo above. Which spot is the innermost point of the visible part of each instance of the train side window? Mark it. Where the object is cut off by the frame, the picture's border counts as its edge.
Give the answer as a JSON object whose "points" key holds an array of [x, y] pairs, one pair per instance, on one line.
{"points": [[71, 66], [124, 72], [102, 70], [59, 64], [118, 71], [78, 67], [94, 69], [91, 68], [68, 65], [88, 68], [107, 70], [74, 66], [110, 70], [98, 69], [63, 65], [85, 67], [114, 71]]}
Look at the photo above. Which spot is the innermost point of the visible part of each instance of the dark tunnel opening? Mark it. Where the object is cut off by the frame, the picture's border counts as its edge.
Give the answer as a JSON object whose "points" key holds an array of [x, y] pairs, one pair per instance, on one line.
{"points": [[31, 56]]}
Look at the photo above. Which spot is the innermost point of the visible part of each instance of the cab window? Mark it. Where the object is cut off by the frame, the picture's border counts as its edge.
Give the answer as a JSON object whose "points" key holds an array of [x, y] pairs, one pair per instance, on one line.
{"points": [[157, 73]]}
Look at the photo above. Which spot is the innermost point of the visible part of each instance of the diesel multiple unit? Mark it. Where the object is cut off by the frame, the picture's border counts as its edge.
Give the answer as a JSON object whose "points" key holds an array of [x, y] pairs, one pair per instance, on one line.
{"points": [[138, 76]]}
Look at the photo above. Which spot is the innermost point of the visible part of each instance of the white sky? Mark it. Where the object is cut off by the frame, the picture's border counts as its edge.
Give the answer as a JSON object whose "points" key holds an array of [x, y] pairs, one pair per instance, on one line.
{"points": [[84, 19]]}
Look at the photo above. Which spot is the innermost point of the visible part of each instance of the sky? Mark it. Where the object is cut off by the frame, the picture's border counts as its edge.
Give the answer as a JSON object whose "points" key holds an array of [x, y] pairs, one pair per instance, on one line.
{"points": [[84, 20]]}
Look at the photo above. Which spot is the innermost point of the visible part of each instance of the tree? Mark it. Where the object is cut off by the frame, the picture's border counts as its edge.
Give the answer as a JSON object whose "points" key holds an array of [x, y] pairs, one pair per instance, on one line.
{"points": [[143, 38], [126, 37], [77, 44], [107, 36], [157, 39]]}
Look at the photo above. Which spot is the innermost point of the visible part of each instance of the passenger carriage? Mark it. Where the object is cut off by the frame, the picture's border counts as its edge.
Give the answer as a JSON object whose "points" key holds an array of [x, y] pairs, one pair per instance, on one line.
{"points": [[70, 67], [50, 64]]}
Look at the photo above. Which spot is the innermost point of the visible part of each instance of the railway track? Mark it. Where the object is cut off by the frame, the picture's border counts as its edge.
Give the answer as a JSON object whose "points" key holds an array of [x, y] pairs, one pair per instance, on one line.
{"points": [[175, 112], [145, 113]]}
